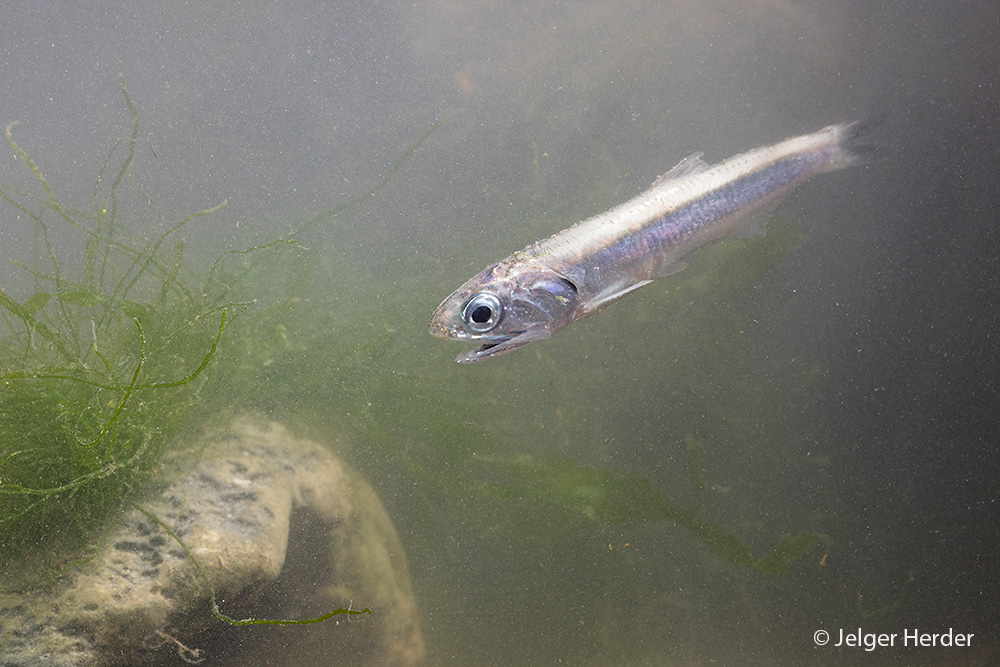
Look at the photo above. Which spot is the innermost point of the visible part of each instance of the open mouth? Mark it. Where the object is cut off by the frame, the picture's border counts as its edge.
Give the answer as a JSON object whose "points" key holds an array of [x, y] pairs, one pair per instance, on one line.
{"points": [[490, 349], [501, 345]]}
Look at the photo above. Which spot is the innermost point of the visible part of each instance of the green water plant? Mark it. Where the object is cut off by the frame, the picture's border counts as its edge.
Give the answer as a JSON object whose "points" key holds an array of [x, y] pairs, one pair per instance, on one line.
{"points": [[99, 364], [577, 494], [104, 362]]}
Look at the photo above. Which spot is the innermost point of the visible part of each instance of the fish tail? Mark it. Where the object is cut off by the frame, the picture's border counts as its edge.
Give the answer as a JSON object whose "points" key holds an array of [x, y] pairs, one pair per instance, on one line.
{"points": [[852, 140]]}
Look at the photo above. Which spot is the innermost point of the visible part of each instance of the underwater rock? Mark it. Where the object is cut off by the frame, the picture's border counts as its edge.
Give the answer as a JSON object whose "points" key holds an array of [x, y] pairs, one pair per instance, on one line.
{"points": [[281, 529]]}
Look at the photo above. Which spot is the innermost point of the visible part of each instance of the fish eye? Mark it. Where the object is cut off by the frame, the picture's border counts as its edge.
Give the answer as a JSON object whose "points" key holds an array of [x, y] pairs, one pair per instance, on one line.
{"points": [[483, 312]]}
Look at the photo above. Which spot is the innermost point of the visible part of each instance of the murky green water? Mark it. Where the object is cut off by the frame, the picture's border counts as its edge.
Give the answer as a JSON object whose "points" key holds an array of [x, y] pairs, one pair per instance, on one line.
{"points": [[797, 433]]}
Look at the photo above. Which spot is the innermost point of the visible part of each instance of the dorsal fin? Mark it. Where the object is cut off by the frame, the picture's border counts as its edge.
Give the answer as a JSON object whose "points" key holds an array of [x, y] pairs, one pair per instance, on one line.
{"points": [[692, 164]]}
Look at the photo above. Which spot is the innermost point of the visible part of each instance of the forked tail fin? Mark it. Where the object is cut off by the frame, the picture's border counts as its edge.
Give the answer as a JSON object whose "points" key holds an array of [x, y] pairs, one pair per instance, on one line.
{"points": [[852, 140]]}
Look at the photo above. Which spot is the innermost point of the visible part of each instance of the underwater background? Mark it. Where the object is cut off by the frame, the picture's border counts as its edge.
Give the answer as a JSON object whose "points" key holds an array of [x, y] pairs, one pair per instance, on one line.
{"points": [[797, 433]]}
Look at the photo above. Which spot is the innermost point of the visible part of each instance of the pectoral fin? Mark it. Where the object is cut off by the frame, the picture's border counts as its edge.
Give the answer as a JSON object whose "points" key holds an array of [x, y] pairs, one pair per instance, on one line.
{"points": [[602, 301]]}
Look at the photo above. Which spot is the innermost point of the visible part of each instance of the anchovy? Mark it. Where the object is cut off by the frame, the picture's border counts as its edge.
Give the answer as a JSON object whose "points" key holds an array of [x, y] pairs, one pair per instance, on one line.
{"points": [[581, 270]]}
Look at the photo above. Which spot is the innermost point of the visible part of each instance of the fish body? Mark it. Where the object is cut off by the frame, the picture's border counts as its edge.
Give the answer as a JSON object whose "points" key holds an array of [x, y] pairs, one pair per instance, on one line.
{"points": [[579, 271]]}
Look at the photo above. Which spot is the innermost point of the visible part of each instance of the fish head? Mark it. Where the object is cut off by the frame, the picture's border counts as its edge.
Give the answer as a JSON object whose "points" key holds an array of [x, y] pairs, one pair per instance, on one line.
{"points": [[506, 307]]}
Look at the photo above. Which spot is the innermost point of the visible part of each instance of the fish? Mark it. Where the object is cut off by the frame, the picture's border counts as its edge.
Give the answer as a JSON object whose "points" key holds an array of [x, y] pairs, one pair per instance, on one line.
{"points": [[581, 270]]}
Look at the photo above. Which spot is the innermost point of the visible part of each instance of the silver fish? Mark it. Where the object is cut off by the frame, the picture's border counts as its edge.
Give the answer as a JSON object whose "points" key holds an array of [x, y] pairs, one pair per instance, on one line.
{"points": [[581, 270]]}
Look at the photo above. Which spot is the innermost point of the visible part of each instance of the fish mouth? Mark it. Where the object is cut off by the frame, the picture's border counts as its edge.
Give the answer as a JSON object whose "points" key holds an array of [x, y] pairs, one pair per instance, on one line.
{"points": [[494, 347], [489, 349]]}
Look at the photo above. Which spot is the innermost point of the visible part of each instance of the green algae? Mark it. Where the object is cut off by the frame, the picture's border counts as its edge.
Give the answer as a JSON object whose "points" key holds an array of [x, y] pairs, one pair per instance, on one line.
{"points": [[98, 367]]}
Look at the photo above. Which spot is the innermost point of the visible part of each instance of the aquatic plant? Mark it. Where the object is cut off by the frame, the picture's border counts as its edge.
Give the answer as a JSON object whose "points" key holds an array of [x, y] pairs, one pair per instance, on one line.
{"points": [[108, 359], [98, 365], [578, 492]]}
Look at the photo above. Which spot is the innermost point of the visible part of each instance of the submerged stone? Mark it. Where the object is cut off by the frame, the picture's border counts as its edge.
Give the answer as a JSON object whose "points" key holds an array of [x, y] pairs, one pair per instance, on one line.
{"points": [[282, 530]]}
